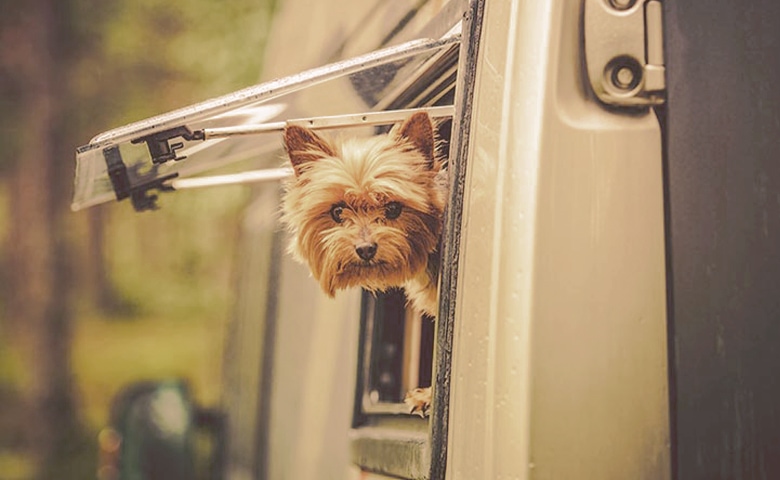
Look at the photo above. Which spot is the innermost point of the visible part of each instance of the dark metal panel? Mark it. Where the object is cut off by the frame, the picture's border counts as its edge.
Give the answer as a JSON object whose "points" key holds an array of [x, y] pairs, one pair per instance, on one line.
{"points": [[723, 186]]}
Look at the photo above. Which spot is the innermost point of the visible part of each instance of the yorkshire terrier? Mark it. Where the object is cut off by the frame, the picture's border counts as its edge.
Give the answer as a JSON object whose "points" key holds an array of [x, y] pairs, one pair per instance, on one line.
{"points": [[368, 212]]}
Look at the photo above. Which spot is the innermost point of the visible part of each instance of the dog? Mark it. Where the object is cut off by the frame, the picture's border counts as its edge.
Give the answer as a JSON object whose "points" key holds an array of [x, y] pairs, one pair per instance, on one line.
{"points": [[368, 212]]}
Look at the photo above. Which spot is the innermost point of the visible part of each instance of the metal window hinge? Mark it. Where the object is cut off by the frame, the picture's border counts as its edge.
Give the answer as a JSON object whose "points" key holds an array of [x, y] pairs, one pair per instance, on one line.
{"points": [[624, 51]]}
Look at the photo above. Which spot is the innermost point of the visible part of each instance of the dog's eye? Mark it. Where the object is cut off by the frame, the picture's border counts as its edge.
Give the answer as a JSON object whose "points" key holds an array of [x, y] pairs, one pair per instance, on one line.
{"points": [[393, 210], [336, 211]]}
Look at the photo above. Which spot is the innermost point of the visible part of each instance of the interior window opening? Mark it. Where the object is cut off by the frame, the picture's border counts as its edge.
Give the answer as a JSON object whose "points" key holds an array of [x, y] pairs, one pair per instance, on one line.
{"points": [[398, 350], [401, 352]]}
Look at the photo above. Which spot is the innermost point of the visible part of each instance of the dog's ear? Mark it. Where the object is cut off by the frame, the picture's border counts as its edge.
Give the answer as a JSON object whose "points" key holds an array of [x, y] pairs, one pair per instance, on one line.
{"points": [[303, 146], [418, 129]]}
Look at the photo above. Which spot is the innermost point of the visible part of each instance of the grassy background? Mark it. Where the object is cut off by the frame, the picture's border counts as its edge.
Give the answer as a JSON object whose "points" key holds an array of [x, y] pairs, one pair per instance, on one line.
{"points": [[177, 285], [173, 271], [108, 355]]}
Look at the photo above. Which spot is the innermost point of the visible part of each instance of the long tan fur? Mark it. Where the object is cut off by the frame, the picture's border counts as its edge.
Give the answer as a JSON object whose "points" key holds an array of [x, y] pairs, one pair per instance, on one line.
{"points": [[382, 197]]}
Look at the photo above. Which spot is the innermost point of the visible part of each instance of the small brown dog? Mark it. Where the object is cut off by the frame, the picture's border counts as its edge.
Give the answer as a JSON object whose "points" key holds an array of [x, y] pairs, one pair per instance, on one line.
{"points": [[368, 212]]}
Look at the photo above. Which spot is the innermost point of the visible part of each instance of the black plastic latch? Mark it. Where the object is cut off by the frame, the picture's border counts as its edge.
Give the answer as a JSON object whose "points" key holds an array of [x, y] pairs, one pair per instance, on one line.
{"points": [[139, 193], [117, 172], [160, 147]]}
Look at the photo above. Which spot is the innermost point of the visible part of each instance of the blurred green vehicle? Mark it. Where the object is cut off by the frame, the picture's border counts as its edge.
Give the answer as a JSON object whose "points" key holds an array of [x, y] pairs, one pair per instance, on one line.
{"points": [[153, 434]]}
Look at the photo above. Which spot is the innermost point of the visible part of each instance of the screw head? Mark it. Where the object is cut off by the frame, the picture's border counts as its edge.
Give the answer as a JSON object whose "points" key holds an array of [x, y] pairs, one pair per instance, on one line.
{"points": [[623, 77]]}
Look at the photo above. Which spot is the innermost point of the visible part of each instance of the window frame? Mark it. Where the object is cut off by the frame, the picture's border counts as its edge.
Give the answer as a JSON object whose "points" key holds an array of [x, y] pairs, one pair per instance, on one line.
{"points": [[421, 445]]}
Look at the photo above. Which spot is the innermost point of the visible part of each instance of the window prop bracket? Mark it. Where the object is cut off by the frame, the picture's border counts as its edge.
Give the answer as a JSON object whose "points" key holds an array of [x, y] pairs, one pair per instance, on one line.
{"points": [[160, 148], [385, 117]]}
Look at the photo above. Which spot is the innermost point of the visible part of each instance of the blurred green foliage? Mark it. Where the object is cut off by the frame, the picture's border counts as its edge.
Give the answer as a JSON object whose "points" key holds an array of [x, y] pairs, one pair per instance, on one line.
{"points": [[171, 270], [152, 56]]}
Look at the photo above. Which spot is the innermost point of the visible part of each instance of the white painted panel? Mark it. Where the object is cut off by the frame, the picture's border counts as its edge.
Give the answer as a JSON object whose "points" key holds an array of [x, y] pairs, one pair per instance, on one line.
{"points": [[559, 361]]}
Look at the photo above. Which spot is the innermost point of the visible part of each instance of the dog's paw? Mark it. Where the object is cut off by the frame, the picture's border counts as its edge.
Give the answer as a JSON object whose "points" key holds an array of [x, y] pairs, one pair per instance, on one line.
{"points": [[419, 400]]}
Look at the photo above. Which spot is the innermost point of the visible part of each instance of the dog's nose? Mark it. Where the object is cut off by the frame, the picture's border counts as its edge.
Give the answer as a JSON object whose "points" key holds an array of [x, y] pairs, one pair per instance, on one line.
{"points": [[366, 251]]}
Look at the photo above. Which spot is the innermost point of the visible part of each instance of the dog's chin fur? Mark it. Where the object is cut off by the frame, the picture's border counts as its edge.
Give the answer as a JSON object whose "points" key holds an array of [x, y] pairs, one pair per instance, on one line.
{"points": [[363, 175]]}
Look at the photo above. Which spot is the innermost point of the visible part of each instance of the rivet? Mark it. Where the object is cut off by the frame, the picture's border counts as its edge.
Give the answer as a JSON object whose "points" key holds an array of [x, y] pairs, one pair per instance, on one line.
{"points": [[622, 4]]}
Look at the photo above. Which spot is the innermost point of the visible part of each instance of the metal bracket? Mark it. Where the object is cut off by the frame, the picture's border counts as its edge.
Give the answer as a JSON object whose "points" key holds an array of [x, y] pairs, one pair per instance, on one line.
{"points": [[383, 117], [160, 148], [624, 51], [139, 192]]}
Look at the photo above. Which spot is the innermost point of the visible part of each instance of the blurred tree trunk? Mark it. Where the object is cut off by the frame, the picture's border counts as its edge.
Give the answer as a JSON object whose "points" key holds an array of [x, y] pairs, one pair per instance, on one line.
{"points": [[102, 290], [39, 310]]}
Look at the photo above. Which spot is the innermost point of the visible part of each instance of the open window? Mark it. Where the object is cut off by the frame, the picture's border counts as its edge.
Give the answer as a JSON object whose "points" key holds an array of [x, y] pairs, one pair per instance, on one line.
{"points": [[159, 153], [234, 139]]}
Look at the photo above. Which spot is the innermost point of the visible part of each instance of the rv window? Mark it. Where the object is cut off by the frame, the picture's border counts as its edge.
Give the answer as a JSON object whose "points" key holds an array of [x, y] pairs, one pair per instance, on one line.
{"points": [[396, 355], [386, 439], [136, 160]]}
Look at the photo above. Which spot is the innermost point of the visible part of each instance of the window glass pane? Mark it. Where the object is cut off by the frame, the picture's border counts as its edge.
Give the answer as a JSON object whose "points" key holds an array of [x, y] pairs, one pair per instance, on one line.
{"points": [[350, 86]]}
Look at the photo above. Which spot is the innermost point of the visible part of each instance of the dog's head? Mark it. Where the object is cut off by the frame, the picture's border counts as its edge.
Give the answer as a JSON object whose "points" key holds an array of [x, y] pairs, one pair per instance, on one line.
{"points": [[365, 211]]}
